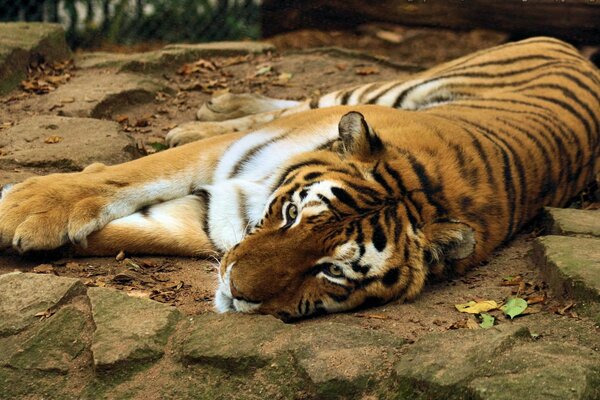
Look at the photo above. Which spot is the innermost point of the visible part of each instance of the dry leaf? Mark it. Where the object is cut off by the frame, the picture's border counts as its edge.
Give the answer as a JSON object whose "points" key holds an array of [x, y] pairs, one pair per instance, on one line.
{"points": [[367, 70], [121, 118], [43, 269], [263, 69], [120, 256], [198, 66], [474, 307], [512, 281], [143, 294], [283, 79], [44, 314], [468, 323], [389, 36], [53, 139], [372, 316], [535, 300]]}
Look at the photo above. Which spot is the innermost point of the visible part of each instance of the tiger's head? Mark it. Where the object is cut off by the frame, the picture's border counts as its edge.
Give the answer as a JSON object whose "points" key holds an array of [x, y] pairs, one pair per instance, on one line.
{"points": [[338, 233]]}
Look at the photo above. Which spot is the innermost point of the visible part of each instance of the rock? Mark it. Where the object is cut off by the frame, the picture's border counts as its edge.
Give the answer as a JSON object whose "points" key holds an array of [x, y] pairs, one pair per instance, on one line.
{"points": [[567, 221], [170, 56], [496, 364], [104, 95], [228, 341], [24, 43], [570, 265], [56, 343], [128, 329], [22, 296], [341, 360], [338, 359], [79, 142]]}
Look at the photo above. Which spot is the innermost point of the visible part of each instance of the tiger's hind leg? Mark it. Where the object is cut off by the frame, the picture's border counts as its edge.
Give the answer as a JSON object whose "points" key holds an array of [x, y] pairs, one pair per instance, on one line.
{"points": [[232, 106], [175, 227], [231, 113]]}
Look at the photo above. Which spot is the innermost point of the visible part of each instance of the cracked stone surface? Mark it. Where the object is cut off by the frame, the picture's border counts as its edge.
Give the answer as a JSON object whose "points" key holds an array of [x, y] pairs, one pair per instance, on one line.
{"points": [[22, 43], [571, 265], [104, 95], [82, 142], [127, 328], [23, 295], [567, 221], [55, 344], [502, 363]]}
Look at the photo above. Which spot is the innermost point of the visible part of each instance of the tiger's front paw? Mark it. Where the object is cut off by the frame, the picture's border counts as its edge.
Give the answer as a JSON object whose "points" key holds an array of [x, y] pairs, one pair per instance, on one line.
{"points": [[192, 131], [46, 212]]}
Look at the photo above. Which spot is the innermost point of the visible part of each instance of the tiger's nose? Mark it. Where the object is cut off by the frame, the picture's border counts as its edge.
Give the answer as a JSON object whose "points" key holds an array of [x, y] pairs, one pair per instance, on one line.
{"points": [[236, 294]]}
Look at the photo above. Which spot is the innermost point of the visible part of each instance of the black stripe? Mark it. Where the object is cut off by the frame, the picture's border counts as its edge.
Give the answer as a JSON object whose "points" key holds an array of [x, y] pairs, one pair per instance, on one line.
{"points": [[291, 168], [345, 197], [249, 154]]}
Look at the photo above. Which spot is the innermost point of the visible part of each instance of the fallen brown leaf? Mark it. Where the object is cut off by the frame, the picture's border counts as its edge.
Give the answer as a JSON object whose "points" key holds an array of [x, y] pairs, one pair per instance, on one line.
{"points": [[372, 316], [43, 269], [53, 139], [367, 70], [121, 118]]}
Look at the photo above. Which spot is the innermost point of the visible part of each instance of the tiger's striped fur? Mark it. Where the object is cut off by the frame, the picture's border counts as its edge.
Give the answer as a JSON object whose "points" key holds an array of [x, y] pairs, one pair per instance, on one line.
{"points": [[358, 201]]}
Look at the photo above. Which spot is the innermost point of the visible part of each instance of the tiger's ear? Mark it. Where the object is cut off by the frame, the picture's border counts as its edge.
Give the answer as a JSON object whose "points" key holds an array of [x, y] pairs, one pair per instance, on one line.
{"points": [[357, 137], [448, 241]]}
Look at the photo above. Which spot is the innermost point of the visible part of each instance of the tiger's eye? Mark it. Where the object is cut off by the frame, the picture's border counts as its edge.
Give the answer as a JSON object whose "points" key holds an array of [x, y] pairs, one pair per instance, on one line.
{"points": [[292, 212], [334, 270]]}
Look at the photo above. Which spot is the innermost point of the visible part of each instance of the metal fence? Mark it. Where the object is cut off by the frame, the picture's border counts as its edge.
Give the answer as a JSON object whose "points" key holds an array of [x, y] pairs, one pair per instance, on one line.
{"points": [[92, 23]]}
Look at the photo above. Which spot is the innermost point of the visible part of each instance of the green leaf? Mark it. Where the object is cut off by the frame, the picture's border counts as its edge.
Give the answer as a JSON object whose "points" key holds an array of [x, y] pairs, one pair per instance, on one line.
{"points": [[514, 306], [487, 321], [158, 146]]}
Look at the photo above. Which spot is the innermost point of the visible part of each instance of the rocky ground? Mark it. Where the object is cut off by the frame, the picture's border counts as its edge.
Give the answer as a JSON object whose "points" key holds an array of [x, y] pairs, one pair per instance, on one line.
{"points": [[143, 327]]}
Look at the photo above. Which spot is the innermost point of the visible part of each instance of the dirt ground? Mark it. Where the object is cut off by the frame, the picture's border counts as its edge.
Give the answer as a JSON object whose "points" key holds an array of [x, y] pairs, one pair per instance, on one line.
{"points": [[190, 283]]}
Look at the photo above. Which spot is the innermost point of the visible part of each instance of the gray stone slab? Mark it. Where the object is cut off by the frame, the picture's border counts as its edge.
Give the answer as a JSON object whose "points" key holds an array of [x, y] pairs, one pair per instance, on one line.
{"points": [[338, 359], [105, 95], [570, 265], [23, 43], [81, 142], [501, 363], [568, 221], [56, 343], [229, 341], [170, 56], [22, 296], [128, 329]]}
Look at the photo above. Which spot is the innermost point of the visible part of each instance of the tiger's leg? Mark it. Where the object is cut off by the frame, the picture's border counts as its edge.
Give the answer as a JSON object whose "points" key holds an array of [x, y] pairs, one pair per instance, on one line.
{"points": [[46, 212], [175, 227], [230, 113]]}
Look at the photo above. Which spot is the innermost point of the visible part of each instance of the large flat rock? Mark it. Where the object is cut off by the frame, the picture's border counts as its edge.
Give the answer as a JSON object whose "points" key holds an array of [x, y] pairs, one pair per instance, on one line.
{"points": [[128, 329], [570, 265], [79, 142], [23, 296], [170, 56], [337, 359], [56, 343], [23, 43], [501, 363], [568, 221], [105, 95]]}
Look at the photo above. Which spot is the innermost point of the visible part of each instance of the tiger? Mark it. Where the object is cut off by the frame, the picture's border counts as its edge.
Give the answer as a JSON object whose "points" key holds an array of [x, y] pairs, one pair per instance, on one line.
{"points": [[349, 200]]}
